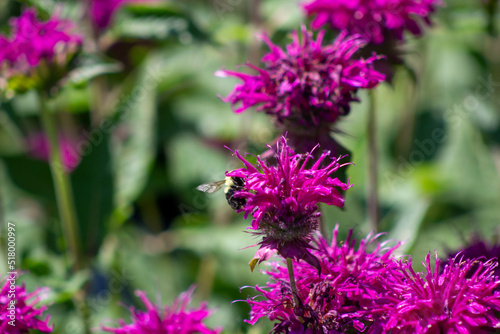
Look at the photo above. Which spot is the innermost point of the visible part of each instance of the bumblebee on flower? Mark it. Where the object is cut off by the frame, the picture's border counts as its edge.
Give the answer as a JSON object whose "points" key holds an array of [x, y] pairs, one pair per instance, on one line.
{"points": [[283, 198]]}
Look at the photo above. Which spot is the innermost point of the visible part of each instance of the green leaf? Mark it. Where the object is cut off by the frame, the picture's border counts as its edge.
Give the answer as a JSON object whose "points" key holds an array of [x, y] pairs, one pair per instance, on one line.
{"points": [[91, 67], [156, 22], [32, 176], [409, 223], [92, 183], [134, 156]]}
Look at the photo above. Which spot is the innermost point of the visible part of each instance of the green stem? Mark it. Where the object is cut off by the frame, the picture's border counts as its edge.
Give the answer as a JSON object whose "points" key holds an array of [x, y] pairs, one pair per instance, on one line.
{"points": [[293, 284], [373, 210], [62, 186]]}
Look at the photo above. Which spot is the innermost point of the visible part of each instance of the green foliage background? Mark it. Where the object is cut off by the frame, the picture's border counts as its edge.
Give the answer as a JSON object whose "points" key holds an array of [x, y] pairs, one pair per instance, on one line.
{"points": [[142, 223]]}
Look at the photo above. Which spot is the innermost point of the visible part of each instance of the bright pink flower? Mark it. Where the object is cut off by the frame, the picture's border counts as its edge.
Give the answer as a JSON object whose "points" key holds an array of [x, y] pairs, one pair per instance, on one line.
{"points": [[340, 299], [27, 316], [283, 198], [34, 41], [308, 85], [177, 319], [448, 302], [375, 20]]}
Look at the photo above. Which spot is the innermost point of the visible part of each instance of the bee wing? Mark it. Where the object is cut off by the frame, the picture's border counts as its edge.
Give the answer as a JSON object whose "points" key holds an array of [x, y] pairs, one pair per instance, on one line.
{"points": [[211, 187]]}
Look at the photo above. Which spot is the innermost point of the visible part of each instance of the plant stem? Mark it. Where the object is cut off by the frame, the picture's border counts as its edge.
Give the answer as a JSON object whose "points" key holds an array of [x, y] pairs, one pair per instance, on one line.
{"points": [[373, 210], [62, 186], [293, 285]]}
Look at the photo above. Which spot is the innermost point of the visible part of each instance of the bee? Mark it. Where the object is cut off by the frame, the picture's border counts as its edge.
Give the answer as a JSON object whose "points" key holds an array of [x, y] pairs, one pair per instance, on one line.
{"points": [[232, 185]]}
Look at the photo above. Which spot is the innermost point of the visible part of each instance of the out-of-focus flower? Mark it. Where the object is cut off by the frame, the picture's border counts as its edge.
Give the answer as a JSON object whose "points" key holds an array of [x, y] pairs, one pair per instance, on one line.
{"points": [[34, 41], [340, 299], [39, 148], [37, 51], [480, 251], [308, 85], [374, 20], [283, 200], [172, 320], [18, 314], [449, 302], [103, 11]]}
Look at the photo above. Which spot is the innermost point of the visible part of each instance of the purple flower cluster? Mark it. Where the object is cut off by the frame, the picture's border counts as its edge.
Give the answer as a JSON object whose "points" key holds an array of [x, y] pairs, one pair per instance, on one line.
{"points": [[26, 315], [282, 199], [446, 302], [307, 85], [375, 20], [173, 320], [370, 291], [33, 41], [339, 299]]}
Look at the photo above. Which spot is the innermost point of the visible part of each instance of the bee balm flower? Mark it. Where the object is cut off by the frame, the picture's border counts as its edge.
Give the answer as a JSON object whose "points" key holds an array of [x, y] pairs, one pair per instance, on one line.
{"points": [[172, 320], [283, 200], [340, 299], [374, 20], [34, 41], [21, 316], [447, 302], [307, 85], [38, 53]]}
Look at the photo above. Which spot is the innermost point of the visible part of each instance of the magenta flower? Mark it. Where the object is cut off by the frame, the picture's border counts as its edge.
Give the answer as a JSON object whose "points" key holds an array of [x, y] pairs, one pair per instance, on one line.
{"points": [[34, 41], [173, 320], [22, 316], [102, 12], [308, 85], [282, 198], [444, 303], [374, 20], [39, 148], [340, 299]]}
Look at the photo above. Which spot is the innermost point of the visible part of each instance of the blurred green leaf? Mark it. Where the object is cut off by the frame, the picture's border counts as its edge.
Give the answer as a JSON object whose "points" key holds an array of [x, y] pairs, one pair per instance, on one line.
{"points": [[91, 67], [133, 157], [408, 224], [32, 176], [156, 22], [92, 184]]}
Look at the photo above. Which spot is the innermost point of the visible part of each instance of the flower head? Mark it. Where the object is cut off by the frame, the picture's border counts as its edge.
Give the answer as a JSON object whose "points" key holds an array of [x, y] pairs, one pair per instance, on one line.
{"points": [[444, 303], [339, 299], [308, 85], [34, 41], [37, 52], [173, 320], [283, 199], [374, 20], [22, 316]]}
